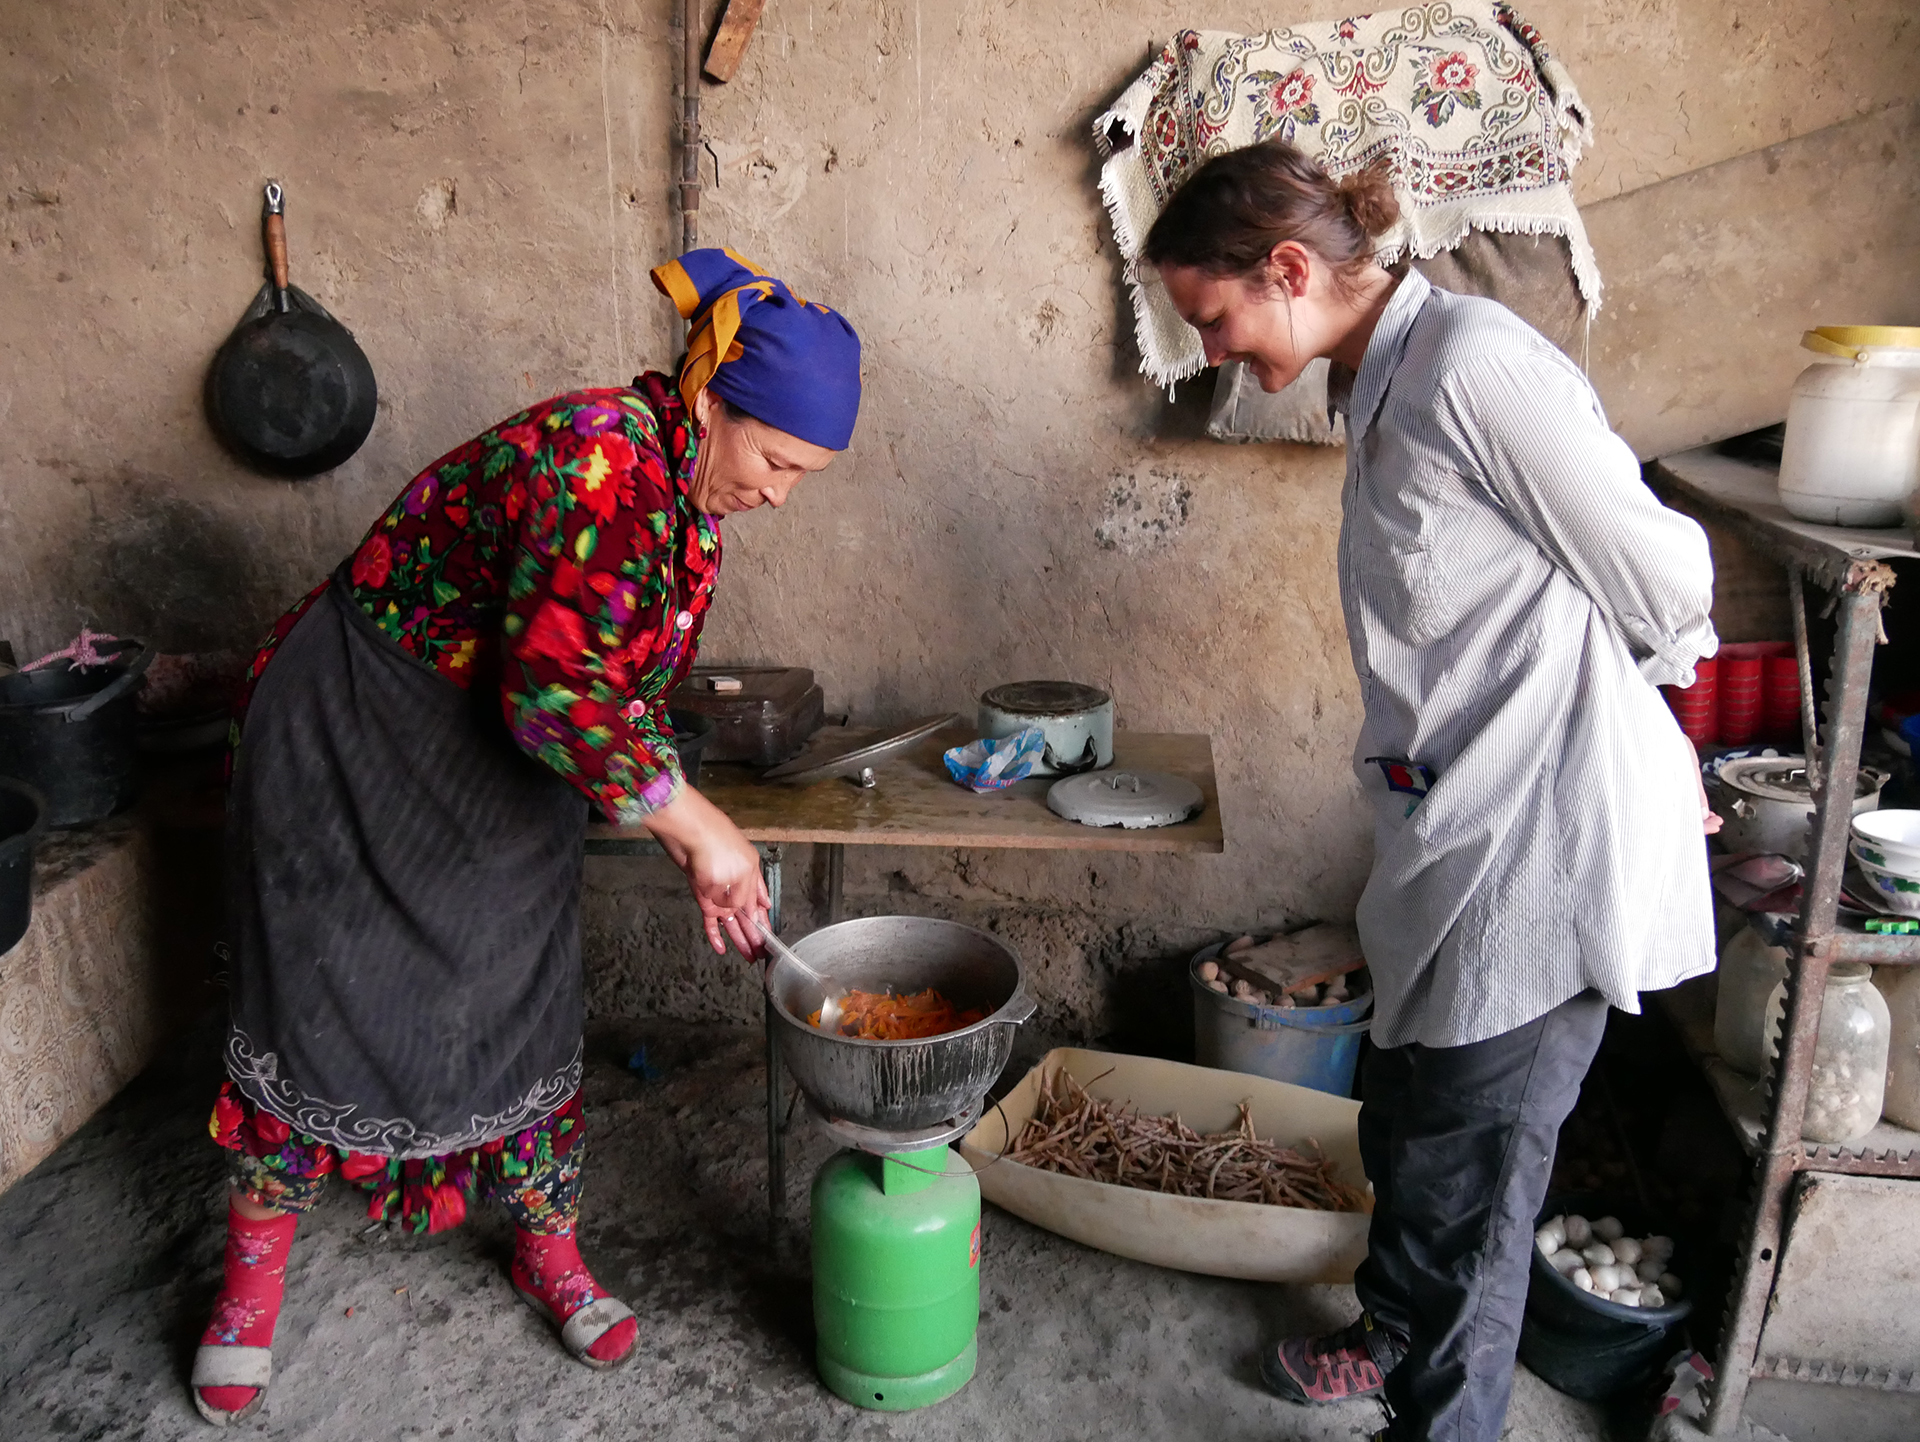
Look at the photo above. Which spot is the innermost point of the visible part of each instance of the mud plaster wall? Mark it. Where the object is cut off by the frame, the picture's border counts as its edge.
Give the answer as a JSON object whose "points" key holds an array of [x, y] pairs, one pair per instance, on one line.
{"points": [[478, 191]]}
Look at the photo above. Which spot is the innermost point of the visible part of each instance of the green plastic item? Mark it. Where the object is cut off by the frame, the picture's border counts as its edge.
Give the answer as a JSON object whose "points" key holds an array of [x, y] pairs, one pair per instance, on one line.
{"points": [[896, 1276], [1890, 927]]}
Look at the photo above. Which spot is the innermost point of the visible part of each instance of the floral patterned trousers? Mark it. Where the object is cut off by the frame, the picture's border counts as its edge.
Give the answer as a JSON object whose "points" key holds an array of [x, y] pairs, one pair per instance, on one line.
{"points": [[534, 1173]]}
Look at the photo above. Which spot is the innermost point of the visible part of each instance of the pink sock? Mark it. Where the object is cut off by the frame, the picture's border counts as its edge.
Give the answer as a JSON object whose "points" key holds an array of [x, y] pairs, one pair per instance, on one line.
{"points": [[551, 1269], [249, 1302]]}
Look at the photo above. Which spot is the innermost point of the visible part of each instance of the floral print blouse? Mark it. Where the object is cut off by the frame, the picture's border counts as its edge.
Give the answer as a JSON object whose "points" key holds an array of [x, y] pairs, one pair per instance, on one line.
{"points": [[558, 558]]}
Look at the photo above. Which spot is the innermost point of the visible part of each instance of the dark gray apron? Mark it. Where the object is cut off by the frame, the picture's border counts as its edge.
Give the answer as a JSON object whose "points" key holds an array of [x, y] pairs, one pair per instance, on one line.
{"points": [[403, 900]]}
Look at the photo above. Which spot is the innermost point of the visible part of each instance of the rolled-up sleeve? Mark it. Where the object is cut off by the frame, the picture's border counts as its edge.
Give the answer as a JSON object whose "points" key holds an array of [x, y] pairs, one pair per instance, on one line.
{"points": [[590, 620], [1575, 489]]}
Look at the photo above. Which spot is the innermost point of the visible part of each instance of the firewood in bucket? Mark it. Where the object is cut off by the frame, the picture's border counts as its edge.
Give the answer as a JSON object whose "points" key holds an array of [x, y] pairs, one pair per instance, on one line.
{"points": [[1299, 960]]}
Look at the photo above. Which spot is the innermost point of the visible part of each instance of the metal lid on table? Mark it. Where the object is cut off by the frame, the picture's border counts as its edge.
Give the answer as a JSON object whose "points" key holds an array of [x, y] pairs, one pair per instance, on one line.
{"points": [[1132, 799]]}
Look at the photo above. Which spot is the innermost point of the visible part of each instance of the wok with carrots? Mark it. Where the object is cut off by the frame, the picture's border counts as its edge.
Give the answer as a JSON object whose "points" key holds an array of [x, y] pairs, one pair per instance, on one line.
{"points": [[928, 1012]]}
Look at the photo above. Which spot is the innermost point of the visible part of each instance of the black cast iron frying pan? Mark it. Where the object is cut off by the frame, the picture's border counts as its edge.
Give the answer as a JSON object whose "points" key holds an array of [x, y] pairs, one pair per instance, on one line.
{"points": [[290, 392]]}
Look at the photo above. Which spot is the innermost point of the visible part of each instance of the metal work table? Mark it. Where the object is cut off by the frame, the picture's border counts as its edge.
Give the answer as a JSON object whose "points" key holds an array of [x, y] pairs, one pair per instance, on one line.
{"points": [[1854, 567], [915, 803]]}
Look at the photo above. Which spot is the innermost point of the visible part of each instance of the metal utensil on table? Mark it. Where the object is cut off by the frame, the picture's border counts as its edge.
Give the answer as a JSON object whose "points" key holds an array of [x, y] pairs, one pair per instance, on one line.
{"points": [[831, 991], [856, 761], [290, 391]]}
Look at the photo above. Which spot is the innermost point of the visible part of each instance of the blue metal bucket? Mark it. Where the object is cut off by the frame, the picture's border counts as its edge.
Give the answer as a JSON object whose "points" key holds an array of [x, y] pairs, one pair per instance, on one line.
{"points": [[1317, 1046]]}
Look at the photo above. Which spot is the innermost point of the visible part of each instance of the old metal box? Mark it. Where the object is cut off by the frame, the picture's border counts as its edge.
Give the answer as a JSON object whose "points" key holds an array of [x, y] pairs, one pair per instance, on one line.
{"points": [[763, 723]]}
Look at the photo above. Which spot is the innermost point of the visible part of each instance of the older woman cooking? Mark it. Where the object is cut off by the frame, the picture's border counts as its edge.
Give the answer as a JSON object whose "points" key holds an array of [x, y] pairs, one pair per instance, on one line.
{"points": [[406, 812]]}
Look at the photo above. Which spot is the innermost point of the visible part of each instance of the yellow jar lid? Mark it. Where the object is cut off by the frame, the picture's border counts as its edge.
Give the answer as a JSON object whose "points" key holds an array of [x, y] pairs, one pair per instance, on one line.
{"points": [[1847, 341]]}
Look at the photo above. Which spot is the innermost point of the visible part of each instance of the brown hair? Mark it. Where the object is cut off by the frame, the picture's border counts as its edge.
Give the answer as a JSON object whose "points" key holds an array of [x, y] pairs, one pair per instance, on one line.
{"points": [[1231, 212]]}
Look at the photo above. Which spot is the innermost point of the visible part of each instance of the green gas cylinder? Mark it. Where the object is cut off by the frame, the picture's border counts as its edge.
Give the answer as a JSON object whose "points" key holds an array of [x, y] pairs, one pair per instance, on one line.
{"points": [[896, 1276]]}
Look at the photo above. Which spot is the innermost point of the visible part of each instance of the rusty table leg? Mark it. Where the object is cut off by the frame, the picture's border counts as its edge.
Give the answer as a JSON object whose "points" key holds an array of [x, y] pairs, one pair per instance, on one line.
{"points": [[1809, 713], [1806, 987], [836, 880], [776, 1074]]}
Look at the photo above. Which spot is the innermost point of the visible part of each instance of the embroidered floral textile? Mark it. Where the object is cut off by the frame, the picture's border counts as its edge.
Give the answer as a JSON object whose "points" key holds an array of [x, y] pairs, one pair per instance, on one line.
{"points": [[1481, 126], [557, 558], [534, 1173]]}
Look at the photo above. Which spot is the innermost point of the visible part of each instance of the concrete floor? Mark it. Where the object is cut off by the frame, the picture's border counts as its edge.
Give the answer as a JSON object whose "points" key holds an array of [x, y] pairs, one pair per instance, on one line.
{"points": [[111, 1259]]}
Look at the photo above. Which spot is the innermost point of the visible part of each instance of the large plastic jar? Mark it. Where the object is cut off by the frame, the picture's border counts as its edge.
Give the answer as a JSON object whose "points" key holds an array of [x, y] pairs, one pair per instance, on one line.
{"points": [[1852, 450], [1900, 985], [1849, 1079], [1749, 971]]}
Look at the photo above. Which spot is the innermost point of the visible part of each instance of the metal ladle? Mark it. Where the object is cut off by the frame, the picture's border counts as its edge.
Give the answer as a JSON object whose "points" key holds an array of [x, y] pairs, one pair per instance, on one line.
{"points": [[831, 990]]}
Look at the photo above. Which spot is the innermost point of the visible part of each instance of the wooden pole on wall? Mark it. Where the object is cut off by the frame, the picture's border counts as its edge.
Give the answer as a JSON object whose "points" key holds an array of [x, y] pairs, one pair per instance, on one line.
{"points": [[689, 11], [731, 36]]}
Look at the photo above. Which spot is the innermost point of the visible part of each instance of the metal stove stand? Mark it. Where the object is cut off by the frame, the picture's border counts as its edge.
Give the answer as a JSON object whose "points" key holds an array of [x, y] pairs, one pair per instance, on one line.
{"points": [[1854, 568]]}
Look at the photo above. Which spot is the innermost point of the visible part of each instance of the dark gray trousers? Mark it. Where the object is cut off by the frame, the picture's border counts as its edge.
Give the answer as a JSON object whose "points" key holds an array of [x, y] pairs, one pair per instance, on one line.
{"points": [[1458, 1143]]}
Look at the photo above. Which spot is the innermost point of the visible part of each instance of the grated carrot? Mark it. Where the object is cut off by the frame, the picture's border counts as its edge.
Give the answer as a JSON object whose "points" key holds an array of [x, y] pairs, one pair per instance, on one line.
{"points": [[882, 1016]]}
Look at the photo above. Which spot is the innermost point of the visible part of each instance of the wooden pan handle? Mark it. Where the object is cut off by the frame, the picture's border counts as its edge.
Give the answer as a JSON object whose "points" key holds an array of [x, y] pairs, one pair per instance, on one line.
{"points": [[276, 227]]}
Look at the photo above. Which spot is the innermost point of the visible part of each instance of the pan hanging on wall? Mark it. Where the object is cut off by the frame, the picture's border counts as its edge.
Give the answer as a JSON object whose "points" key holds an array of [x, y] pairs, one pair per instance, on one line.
{"points": [[290, 392]]}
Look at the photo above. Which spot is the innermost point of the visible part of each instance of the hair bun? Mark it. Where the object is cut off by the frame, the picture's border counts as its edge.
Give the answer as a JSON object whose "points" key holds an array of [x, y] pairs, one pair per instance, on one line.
{"points": [[1227, 217], [1369, 198]]}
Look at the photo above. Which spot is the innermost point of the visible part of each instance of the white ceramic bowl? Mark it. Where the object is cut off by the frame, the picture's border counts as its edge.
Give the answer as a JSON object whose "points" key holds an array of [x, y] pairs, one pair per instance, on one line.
{"points": [[1886, 847], [1893, 890], [1893, 837]]}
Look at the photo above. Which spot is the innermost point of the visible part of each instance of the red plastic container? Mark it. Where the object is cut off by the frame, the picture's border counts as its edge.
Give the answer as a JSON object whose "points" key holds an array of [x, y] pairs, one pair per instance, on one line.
{"points": [[1696, 707], [1739, 699], [1780, 698], [1753, 708]]}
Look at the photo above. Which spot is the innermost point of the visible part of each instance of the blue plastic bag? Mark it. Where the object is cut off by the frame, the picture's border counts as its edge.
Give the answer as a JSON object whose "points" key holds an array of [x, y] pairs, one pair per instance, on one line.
{"points": [[993, 763]]}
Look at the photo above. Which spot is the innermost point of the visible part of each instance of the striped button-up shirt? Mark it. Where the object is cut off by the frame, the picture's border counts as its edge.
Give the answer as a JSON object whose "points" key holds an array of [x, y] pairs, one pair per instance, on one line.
{"points": [[1513, 595]]}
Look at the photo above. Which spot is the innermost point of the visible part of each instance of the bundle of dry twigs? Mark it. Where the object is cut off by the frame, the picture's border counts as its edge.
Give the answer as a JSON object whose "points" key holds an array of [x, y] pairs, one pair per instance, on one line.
{"points": [[1076, 1133]]}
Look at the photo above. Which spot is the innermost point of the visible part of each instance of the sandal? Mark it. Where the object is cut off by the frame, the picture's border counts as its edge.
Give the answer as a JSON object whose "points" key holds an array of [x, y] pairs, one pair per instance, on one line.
{"points": [[216, 1366], [583, 1328]]}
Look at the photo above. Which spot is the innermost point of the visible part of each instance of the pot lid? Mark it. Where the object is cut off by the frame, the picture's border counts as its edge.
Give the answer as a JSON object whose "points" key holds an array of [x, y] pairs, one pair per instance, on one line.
{"points": [[1045, 698], [1132, 799], [1784, 778]]}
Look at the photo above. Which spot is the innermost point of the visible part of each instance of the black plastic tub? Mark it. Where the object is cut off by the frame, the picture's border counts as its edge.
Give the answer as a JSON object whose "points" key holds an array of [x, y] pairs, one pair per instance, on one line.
{"points": [[23, 820], [1583, 1345], [69, 732]]}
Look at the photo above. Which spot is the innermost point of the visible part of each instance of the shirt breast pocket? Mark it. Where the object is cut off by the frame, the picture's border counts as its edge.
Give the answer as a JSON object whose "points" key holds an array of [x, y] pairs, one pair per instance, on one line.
{"points": [[1402, 582]]}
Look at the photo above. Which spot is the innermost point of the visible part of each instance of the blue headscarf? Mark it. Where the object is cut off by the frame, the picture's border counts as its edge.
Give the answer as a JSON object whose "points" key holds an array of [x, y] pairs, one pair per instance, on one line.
{"points": [[792, 363]]}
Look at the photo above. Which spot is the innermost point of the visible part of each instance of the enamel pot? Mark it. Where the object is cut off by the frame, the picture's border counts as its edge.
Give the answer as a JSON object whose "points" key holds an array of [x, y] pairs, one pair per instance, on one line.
{"points": [[1765, 803]]}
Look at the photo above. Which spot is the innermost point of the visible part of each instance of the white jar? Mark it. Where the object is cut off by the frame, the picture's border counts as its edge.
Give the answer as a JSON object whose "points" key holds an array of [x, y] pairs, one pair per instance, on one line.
{"points": [[1749, 971], [1852, 451], [1849, 1078], [1900, 985]]}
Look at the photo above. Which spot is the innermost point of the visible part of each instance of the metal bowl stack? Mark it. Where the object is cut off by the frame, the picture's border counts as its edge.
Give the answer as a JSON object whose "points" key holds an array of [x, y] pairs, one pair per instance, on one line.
{"points": [[900, 1087]]}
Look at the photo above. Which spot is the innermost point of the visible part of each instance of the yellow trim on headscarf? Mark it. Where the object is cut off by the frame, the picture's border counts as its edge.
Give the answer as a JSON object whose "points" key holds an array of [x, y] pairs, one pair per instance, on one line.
{"points": [[711, 338], [677, 286]]}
